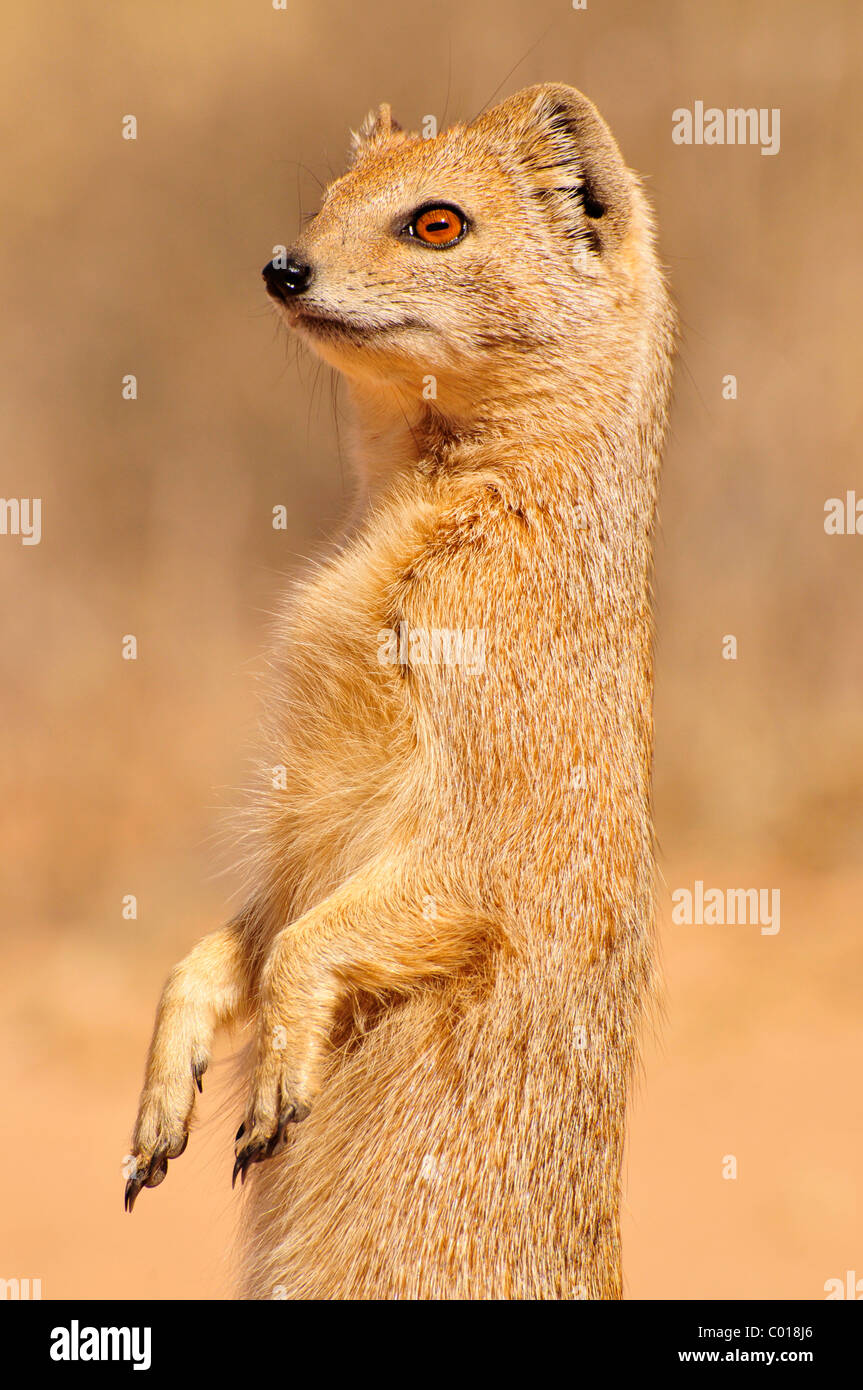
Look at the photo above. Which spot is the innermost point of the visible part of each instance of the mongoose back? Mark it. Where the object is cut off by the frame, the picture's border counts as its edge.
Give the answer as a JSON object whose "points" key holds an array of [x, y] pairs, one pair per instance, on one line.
{"points": [[446, 947]]}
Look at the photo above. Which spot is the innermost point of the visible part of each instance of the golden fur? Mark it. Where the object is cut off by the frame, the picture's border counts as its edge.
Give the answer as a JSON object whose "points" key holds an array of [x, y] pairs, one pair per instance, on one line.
{"points": [[447, 947]]}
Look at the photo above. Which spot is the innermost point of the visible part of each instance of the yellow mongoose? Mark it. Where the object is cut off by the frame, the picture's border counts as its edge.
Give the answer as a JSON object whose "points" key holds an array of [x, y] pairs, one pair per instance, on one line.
{"points": [[447, 943]]}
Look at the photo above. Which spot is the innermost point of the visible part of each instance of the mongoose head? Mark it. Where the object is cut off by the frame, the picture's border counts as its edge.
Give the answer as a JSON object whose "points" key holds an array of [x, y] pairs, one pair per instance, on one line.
{"points": [[518, 241]]}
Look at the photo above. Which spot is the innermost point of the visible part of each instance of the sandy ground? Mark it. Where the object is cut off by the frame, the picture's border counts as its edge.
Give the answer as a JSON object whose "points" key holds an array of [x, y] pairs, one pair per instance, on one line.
{"points": [[758, 1058]]}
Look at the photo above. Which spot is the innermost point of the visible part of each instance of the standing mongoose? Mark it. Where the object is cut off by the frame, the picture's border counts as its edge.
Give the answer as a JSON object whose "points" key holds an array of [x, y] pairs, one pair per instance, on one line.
{"points": [[447, 945]]}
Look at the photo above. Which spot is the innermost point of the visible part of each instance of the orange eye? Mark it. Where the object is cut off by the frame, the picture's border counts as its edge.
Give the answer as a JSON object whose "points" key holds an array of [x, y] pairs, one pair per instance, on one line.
{"points": [[438, 226]]}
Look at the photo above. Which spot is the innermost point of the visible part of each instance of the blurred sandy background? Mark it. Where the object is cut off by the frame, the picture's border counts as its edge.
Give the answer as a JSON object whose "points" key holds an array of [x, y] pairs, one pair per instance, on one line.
{"points": [[144, 257]]}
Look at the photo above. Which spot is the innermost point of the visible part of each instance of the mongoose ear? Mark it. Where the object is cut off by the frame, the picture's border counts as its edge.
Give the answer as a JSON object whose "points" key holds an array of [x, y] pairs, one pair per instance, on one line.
{"points": [[571, 161], [378, 126]]}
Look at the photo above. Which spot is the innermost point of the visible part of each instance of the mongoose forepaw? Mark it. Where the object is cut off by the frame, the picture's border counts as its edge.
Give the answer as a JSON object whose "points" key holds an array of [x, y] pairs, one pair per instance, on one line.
{"points": [[265, 1140], [149, 1172]]}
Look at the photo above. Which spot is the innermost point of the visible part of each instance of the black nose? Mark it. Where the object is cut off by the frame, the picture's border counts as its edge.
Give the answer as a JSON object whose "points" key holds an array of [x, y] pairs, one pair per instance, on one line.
{"points": [[283, 281]]}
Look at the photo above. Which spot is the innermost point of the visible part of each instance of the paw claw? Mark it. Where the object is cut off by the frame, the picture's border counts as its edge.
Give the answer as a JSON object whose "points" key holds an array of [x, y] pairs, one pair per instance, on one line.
{"points": [[264, 1145], [150, 1172], [253, 1153], [158, 1170], [198, 1069], [133, 1187], [150, 1175]]}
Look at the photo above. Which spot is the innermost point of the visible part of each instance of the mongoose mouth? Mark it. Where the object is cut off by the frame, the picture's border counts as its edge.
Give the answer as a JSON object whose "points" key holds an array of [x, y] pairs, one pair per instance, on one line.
{"points": [[327, 324], [331, 326], [287, 282]]}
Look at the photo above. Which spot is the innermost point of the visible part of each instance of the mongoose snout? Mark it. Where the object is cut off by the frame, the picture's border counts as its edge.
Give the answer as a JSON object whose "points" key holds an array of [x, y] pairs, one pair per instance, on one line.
{"points": [[292, 278]]}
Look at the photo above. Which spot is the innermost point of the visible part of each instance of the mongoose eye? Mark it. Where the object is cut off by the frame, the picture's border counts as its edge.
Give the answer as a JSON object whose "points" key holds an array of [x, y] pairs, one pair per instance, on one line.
{"points": [[438, 226]]}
